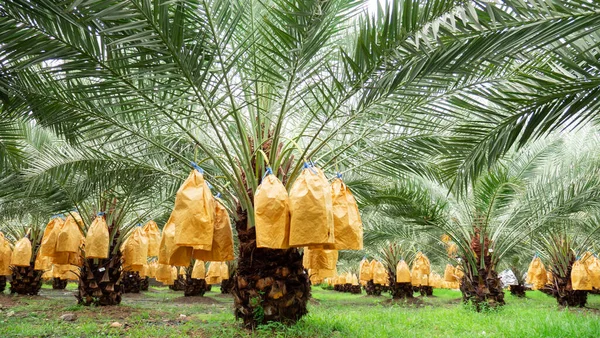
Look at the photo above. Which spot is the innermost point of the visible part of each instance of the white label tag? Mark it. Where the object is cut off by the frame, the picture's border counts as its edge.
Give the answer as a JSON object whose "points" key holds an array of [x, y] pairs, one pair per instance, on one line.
{"points": [[101, 269]]}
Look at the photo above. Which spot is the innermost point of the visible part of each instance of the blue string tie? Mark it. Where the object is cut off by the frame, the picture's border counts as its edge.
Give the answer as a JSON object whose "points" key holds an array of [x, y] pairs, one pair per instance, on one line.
{"points": [[101, 213], [268, 171], [197, 167]]}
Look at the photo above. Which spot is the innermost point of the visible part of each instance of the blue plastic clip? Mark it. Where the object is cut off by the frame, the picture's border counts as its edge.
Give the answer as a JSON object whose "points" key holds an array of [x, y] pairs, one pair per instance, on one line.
{"points": [[101, 213]]}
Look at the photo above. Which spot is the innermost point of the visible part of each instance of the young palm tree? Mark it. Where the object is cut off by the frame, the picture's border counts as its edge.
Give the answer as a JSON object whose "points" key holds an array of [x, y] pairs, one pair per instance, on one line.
{"points": [[246, 85], [552, 180], [25, 280]]}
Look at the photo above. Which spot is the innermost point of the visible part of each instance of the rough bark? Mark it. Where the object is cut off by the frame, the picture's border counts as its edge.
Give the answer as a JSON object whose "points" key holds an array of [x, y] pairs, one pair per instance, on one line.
{"points": [[517, 290], [179, 284], [59, 284], [144, 283], [355, 289], [482, 292], [227, 285], [194, 286], [270, 285], [100, 279], [2, 283], [481, 287], [562, 289], [26, 280], [426, 290], [131, 282], [373, 289], [401, 291]]}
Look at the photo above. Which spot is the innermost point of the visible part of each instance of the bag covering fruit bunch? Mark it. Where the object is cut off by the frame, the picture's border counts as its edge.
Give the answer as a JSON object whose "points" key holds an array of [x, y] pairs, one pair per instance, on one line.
{"points": [[213, 276], [420, 270], [536, 274], [135, 250], [5, 256], [199, 226], [365, 274], [97, 239], [153, 234], [581, 278], [593, 266], [402, 272], [348, 227], [21, 255], [380, 274], [272, 213], [311, 208], [199, 270], [69, 241]]}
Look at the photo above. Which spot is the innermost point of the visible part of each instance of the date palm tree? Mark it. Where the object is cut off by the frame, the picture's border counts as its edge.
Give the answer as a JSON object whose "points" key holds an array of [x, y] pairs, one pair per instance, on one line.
{"points": [[242, 85], [550, 182]]}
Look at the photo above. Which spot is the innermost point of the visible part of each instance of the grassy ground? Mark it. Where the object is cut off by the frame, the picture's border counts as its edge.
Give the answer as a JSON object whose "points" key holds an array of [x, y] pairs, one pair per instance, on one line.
{"points": [[156, 313]]}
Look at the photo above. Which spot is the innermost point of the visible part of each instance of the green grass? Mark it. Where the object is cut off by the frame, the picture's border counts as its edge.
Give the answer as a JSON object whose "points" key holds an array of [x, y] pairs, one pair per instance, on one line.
{"points": [[332, 314]]}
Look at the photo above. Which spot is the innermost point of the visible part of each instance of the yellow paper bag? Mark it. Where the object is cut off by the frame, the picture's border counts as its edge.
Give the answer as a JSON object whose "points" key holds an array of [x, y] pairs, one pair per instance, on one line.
{"points": [[449, 273], [153, 235], [135, 250], [593, 266], [21, 255], [459, 273], [193, 214], [311, 208], [365, 273], [536, 274], [224, 271], [380, 275], [222, 245], [167, 243], [402, 272], [42, 262], [5, 256], [199, 270], [323, 259], [69, 237], [420, 270], [348, 227], [97, 240], [169, 253], [48, 245], [272, 214], [163, 274], [214, 273], [580, 277]]}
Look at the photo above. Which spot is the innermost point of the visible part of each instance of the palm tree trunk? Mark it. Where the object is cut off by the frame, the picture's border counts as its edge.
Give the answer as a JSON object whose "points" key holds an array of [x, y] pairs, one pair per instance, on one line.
{"points": [[100, 279], [426, 290], [131, 282], [562, 289], [59, 284], [26, 280], [517, 290], [399, 290], [2, 283], [227, 285], [194, 286], [179, 284], [482, 288], [373, 289], [270, 285], [144, 283]]}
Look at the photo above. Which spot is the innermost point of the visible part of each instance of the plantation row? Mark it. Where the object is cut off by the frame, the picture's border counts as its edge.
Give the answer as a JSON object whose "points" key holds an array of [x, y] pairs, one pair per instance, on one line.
{"points": [[452, 144]]}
